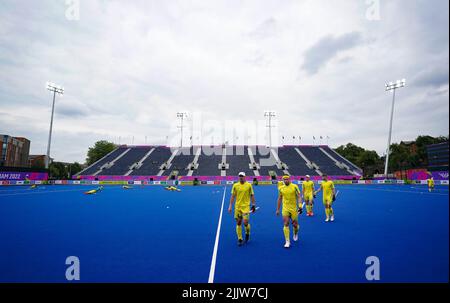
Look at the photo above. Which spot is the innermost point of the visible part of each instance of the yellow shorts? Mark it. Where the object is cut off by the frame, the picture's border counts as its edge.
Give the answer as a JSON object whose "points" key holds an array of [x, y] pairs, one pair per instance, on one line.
{"points": [[239, 213], [308, 197], [293, 214], [328, 200]]}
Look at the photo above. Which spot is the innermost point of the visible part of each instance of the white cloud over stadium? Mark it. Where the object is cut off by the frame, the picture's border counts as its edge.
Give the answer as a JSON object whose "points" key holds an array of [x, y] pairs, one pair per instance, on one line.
{"points": [[129, 66]]}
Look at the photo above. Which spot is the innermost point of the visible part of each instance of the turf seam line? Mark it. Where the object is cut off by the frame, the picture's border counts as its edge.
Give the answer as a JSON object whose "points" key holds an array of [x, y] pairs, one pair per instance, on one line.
{"points": [[399, 191], [216, 244], [39, 192]]}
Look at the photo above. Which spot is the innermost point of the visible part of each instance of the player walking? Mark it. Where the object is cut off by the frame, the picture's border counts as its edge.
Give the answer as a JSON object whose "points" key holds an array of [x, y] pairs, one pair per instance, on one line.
{"points": [[242, 192], [290, 196], [329, 196], [308, 195]]}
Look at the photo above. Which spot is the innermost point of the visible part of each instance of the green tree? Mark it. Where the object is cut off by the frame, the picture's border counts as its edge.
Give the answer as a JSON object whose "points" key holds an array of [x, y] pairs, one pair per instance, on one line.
{"points": [[369, 161], [99, 150], [62, 171], [38, 163], [75, 168], [368, 158], [57, 170], [411, 155], [400, 157], [403, 155], [350, 151]]}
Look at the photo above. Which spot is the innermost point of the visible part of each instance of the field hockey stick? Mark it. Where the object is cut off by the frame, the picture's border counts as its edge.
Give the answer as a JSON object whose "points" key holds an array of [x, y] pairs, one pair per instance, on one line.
{"points": [[300, 209], [251, 211], [335, 195]]}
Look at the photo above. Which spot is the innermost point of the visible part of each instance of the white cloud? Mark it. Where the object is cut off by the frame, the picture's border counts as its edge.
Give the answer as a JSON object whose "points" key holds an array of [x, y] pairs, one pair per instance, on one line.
{"points": [[128, 67]]}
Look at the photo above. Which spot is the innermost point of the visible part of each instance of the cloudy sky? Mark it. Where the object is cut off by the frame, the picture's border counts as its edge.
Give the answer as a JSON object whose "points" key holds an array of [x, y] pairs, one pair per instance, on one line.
{"points": [[128, 66]]}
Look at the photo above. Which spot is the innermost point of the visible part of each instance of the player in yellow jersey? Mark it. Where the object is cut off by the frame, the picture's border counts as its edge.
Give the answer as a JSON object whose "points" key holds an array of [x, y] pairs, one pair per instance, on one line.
{"points": [[242, 192], [290, 196], [430, 182], [329, 196], [308, 195], [94, 191], [172, 188]]}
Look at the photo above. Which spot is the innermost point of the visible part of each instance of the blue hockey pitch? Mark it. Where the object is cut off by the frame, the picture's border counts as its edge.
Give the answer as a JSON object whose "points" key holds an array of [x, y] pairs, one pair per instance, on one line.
{"points": [[148, 234]]}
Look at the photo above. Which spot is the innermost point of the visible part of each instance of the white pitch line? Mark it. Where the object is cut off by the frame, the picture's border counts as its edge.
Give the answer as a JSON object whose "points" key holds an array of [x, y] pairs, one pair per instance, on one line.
{"points": [[40, 192], [216, 244], [7, 191]]}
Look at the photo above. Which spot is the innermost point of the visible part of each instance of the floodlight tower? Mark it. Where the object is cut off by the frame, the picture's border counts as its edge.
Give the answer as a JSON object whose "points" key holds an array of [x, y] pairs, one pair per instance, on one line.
{"points": [[391, 86], [269, 114], [56, 89], [181, 116]]}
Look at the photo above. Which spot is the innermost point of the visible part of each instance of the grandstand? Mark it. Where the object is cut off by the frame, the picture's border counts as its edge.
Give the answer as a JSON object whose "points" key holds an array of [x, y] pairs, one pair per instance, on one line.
{"points": [[152, 163], [438, 156], [209, 163], [222, 161], [103, 163], [180, 164], [298, 163]]}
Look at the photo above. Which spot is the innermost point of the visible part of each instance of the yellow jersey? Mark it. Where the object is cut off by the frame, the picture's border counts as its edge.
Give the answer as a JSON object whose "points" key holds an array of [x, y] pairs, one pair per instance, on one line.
{"points": [[430, 182], [242, 192], [327, 187], [308, 187], [289, 194], [280, 184]]}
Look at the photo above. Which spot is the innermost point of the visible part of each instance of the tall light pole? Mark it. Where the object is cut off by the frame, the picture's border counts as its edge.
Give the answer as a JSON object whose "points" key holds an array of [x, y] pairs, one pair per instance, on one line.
{"points": [[60, 91], [269, 115], [181, 116], [391, 86]]}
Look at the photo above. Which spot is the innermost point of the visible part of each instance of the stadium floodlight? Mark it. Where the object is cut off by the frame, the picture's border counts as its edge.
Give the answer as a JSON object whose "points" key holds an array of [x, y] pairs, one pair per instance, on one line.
{"points": [[269, 114], [395, 85], [392, 86], [56, 89], [181, 116]]}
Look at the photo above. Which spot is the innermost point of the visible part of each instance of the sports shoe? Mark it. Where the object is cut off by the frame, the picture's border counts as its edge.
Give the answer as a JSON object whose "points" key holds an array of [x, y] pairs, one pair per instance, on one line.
{"points": [[295, 238], [240, 242], [327, 219], [247, 238], [287, 245], [332, 219]]}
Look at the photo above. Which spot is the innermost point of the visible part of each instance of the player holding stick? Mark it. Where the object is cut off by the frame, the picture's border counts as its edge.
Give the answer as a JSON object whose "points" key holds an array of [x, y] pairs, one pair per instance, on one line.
{"points": [[242, 192], [308, 195], [329, 196], [290, 196]]}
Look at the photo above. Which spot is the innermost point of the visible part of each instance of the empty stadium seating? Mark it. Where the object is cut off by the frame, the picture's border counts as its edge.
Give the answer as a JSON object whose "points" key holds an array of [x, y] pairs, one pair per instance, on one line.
{"points": [[181, 161], [238, 161], [122, 165], [208, 162], [338, 157], [148, 161], [297, 165], [326, 165], [152, 164], [91, 170], [266, 161]]}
